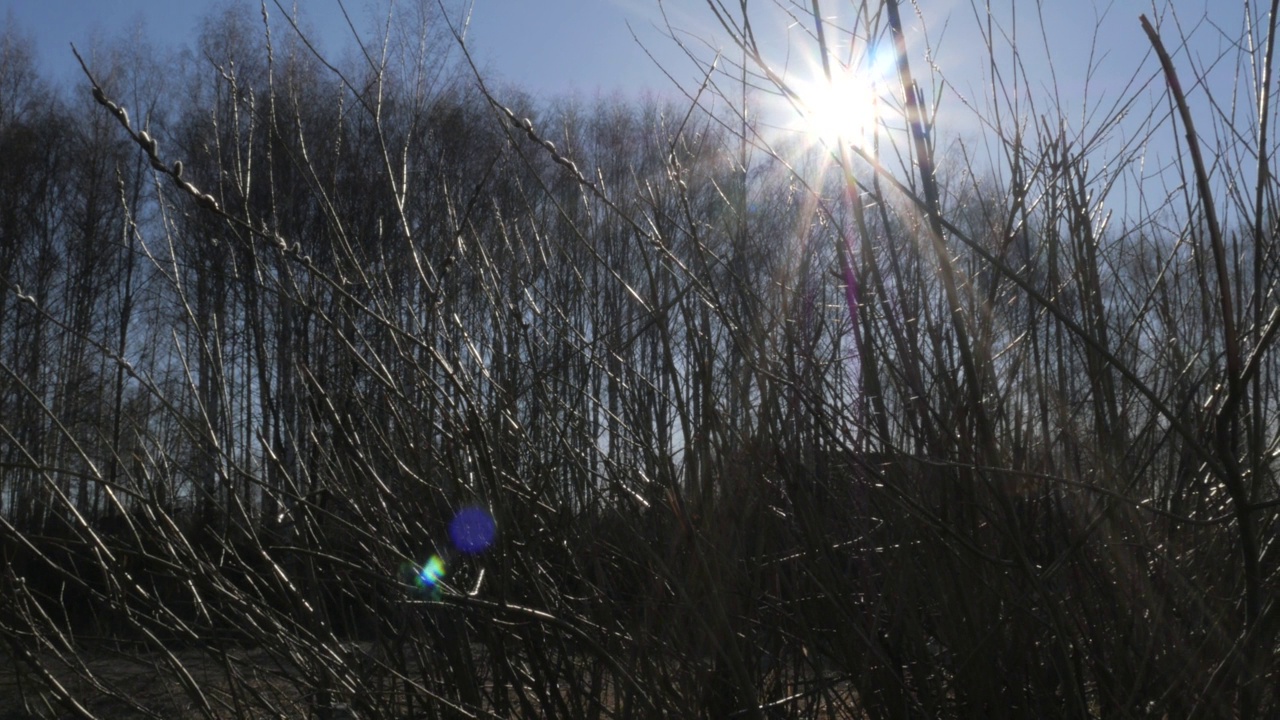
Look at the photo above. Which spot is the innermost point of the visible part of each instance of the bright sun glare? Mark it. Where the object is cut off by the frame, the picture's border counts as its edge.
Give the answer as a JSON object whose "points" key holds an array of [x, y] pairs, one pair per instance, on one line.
{"points": [[843, 110]]}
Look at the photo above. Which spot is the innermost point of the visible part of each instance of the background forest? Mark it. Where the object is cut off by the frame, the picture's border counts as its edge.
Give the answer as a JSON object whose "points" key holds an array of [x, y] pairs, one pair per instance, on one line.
{"points": [[361, 388]]}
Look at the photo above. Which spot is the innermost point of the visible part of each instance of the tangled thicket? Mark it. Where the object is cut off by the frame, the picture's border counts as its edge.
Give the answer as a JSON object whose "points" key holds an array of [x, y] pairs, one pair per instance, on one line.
{"points": [[765, 430]]}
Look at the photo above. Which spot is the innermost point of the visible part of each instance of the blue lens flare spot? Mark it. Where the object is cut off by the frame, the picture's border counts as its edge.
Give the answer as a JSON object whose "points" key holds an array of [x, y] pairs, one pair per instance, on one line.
{"points": [[431, 573], [472, 530]]}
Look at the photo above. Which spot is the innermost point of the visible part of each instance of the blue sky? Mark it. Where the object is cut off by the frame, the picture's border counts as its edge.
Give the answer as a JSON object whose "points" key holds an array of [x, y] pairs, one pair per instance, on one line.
{"points": [[578, 45], [544, 46], [551, 47]]}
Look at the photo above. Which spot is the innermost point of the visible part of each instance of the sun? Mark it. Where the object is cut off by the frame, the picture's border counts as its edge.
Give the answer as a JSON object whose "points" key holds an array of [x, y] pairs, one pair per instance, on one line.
{"points": [[843, 111]]}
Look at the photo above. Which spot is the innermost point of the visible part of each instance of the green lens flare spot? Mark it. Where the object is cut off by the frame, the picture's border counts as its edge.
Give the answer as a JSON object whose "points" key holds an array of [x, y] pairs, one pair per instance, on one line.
{"points": [[431, 573]]}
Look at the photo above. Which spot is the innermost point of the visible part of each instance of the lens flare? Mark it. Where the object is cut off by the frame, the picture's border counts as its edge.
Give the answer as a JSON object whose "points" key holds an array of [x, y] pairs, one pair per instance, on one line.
{"points": [[472, 530], [432, 573]]}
